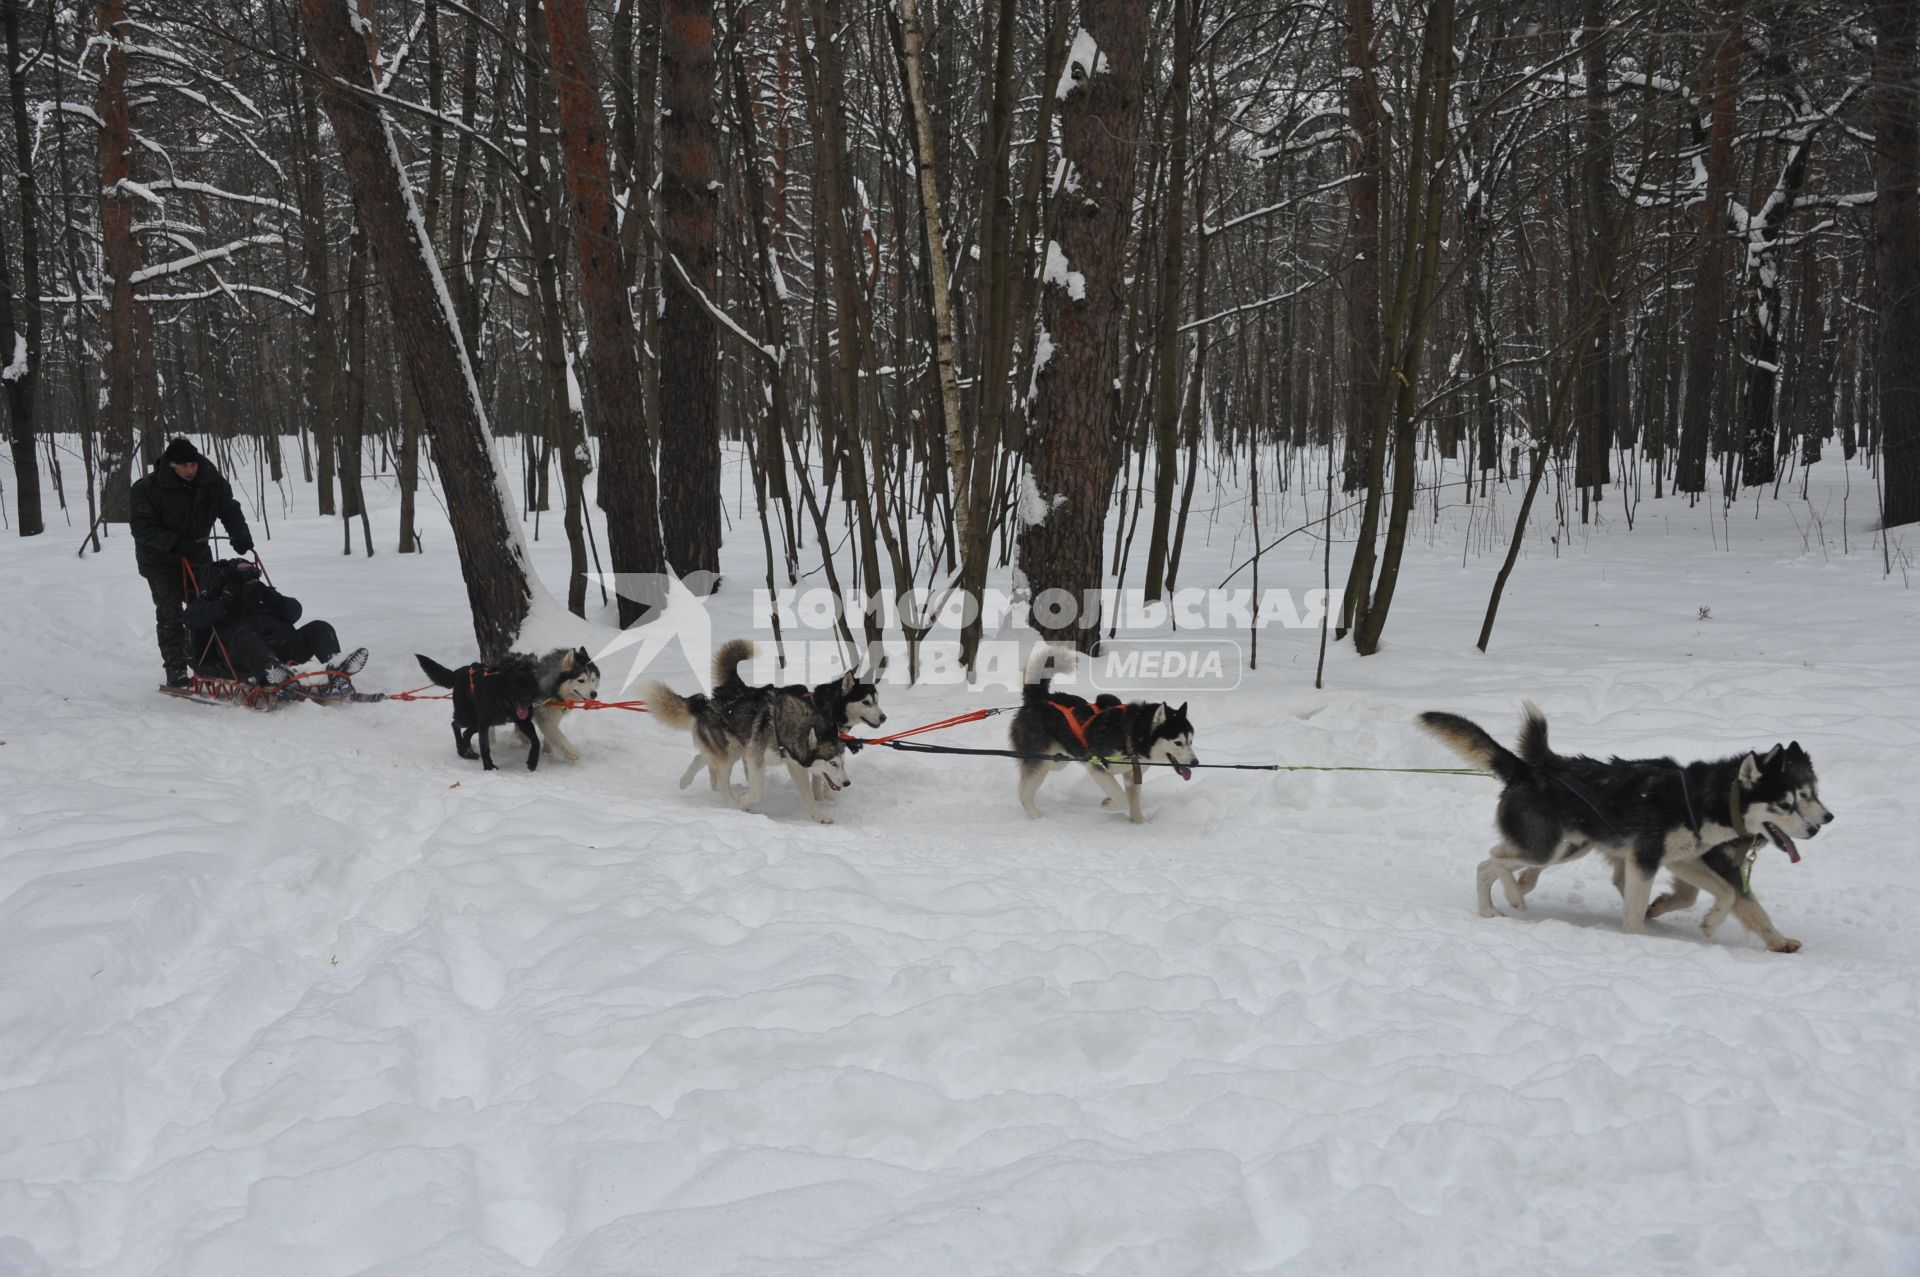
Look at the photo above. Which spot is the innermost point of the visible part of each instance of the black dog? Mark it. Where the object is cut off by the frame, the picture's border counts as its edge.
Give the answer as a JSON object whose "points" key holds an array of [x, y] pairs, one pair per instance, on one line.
{"points": [[486, 697]]}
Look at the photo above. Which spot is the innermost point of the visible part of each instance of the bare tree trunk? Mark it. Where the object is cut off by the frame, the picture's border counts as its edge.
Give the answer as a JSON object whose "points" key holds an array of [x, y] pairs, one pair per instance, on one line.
{"points": [[1367, 410], [838, 211], [493, 560], [409, 468], [1594, 429], [1167, 379], [121, 257], [1366, 147], [628, 492], [1896, 244], [1072, 445], [541, 199], [689, 426], [353, 418], [22, 334], [1416, 273], [1006, 298], [912, 38], [1710, 275]]}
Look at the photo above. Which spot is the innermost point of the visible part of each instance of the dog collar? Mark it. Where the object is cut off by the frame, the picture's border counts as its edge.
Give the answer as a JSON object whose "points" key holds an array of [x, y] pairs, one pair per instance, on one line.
{"points": [[1736, 816]]}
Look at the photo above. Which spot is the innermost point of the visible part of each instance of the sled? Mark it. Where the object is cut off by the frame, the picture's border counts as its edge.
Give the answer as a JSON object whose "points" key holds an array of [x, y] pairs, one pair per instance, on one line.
{"points": [[324, 687]]}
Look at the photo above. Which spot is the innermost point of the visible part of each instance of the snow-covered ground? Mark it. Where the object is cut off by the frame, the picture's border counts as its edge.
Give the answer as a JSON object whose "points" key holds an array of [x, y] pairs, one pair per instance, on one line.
{"points": [[302, 993]]}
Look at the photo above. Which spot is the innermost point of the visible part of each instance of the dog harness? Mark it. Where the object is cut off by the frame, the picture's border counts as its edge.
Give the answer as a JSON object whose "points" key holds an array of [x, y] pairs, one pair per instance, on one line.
{"points": [[1078, 725], [1737, 821]]}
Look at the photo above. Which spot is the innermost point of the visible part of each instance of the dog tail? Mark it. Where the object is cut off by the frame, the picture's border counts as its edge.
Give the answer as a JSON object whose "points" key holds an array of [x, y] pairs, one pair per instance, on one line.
{"points": [[440, 674], [671, 708], [1532, 746], [727, 660], [1046, 660], [1470, 741]]}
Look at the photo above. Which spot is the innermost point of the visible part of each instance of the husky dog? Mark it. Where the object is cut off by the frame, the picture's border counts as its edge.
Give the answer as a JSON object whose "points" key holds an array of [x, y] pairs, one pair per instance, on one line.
{"points": [[564, 674], [489, 696], [844, 702], [1098, 734], [762, 720], [1699, 821]]}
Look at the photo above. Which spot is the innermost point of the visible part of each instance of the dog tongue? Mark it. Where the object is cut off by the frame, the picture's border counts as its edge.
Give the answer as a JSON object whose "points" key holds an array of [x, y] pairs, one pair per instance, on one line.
{"points": [[1783, 842], [1183, 771], [520, 712]]}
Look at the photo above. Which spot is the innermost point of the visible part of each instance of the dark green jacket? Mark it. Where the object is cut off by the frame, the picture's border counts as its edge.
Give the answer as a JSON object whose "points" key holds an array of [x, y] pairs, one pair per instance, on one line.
{"points": [[172, 519]]}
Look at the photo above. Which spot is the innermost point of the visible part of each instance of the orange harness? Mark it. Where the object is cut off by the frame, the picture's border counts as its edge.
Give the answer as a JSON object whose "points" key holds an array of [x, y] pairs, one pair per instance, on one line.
{"points": [[477, 670], [1079, 725]]}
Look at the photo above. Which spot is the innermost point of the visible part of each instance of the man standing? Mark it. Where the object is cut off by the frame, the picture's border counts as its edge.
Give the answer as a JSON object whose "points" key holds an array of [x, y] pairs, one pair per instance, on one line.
{"points": [[174, 508]]}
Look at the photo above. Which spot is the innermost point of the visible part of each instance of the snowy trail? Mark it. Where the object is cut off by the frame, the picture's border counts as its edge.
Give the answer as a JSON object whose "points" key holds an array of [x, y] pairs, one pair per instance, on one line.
{"points": [[301, 993]]}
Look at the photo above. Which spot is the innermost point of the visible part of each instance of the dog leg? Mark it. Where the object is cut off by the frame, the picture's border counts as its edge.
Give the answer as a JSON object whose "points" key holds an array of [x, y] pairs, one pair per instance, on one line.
{"points": [[693, 769], [720, 775], [1523, 883], [463, 742], [1690, 877], [804, 782], [1730, 899], [1681, 897], [486, 751], [1755, 919], [1133, 798], [1032, 776], [1495, 866], [549, 721], [1635, 887], [525, 727], [756, 781], [1111, 787]]}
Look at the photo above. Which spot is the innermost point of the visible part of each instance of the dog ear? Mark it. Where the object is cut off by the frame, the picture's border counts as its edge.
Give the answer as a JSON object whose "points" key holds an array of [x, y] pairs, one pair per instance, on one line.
{"points": [[847, 681], [1159, 717], [1771, 755], [1749, 770], [1794, 750], [1182, 711], [813, 739], [566, 663]]}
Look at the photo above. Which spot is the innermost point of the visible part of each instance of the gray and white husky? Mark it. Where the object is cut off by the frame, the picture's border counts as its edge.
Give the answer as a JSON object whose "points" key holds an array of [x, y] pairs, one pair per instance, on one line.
{"points": [[846, 702], [1701, 822], [563, 674], [1102, 733], [760, 722], [566, 674]]}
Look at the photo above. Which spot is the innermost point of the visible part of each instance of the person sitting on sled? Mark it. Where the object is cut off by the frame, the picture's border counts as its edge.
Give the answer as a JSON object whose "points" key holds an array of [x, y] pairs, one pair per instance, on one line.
{"points": [[242, 627]]}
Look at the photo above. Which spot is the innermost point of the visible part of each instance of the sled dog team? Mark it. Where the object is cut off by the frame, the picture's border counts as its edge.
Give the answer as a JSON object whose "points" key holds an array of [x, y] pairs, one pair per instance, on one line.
{"points": [[1701, 822]]}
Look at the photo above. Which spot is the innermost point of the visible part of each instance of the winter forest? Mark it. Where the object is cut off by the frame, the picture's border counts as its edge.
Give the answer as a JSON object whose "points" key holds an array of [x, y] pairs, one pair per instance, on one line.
{"points": [[912, 258], [785, 433]]}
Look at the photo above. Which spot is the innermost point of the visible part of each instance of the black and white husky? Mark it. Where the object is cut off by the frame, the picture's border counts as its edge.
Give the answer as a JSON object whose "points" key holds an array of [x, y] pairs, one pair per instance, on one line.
{"points": [[846, 702], [758, 722], [1102, 734], [1702, 822]]}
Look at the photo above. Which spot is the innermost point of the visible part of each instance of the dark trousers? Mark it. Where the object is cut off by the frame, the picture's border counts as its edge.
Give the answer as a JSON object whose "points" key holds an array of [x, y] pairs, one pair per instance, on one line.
{"points": [[252, 652], [169, 600]]}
